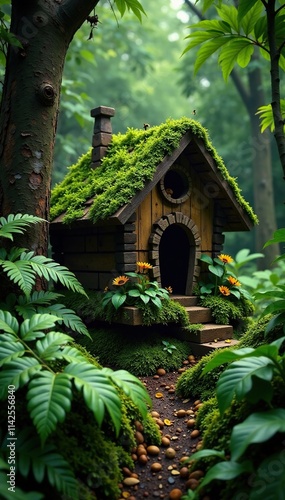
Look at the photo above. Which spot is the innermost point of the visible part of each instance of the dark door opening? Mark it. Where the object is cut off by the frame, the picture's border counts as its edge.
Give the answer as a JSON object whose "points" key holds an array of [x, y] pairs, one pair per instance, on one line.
{"points": [[174, 255]]}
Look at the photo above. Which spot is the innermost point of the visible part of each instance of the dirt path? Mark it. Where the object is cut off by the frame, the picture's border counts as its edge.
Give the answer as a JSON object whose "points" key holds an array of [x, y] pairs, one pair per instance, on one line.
{"points": [[176, 421]]}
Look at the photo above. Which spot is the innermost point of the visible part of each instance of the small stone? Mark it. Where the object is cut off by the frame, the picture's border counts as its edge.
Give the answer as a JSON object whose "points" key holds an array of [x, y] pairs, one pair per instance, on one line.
{"points": [[131, 481], [171, 480]]}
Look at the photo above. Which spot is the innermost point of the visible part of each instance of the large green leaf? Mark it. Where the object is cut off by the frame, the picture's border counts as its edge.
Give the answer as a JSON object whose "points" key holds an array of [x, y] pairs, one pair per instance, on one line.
{"points": [[269, 479], [131, 386], [10, 350], [226, 471], [44, 461], [16, 223], [70, 354], [49, 395], [133, 5], [238, 379], [229, 14], [229, 54], [8, 323], [99, 394], [226, 356], [249, 20], [18, 373], [33, 328], [49, 345], [257, 428], [244, 7], [208, 49]]}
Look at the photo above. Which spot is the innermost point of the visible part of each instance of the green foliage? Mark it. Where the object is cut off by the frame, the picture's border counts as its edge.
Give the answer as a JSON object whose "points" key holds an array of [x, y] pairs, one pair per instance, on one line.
{"points": [[221, 280], [250, 378], [168, 347], [40, 360], [192, 382], [141, 354], [133, 5], [234, 35], [130, 161], [135, 293], [226, 311], [275, 306], [266, 115]]}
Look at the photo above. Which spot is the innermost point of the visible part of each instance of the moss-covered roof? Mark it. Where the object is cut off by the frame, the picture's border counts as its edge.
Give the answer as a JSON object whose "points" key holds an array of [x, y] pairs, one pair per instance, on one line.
{"points": [[131, 161]]}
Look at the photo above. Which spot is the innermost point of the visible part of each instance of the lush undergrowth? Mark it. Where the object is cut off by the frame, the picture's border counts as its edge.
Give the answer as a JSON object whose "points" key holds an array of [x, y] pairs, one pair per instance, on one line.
{"points": [[139, 350]]}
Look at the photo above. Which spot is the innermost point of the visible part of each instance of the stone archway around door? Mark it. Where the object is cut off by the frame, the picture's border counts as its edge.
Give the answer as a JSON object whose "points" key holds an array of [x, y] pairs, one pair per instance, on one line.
{"points": [[174, 250]]}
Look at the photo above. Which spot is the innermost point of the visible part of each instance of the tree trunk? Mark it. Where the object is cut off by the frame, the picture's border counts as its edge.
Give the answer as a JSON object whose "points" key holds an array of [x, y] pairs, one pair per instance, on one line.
{"points": [[30, 104]]}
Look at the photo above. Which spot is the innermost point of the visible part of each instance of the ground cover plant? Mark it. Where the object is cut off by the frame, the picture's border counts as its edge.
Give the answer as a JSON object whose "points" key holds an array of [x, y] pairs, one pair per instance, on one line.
{"points": [[243, 424], [221, 290], [44, 371]]}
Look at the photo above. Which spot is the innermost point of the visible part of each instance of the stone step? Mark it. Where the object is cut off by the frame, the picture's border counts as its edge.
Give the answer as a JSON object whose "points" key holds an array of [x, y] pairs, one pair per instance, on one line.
{"points": [[209, 333], [198, 314], [185, 300], [212, 333], [200, 350]]}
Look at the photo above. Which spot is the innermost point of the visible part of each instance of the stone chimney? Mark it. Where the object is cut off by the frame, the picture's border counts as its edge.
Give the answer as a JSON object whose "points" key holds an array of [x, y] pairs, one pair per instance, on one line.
{"points": [[102, 133]]}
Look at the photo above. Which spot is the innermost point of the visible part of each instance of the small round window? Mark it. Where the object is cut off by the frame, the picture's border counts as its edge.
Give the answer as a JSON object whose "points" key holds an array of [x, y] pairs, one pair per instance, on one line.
{"points": [[176, 184]]}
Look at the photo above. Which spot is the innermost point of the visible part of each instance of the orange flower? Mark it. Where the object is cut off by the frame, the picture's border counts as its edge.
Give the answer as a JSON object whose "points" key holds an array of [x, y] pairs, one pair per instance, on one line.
{"points": [[224, 290], [226, 259], [120, 280], [234, 281], [169, 289], [144, 265]]}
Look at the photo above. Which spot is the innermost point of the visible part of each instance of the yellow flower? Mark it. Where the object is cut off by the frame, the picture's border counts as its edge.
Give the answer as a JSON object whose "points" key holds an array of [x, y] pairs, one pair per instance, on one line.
{"points": [[226, 259], [234, 281], [144, 265], [169, 289], [120, 280], [224, 290]]}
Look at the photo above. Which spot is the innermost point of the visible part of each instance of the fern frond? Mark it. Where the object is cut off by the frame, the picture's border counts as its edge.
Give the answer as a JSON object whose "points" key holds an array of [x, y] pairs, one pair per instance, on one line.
{"points": [[49, 395], [9, 349], [48, 269], [16, 223], [43, 297], [131, 386], [71, 354], [18, 372], [48, 347], [21, 273], [68, 317], [98, 392], [44, 461], [8, 323], [33, 327]]}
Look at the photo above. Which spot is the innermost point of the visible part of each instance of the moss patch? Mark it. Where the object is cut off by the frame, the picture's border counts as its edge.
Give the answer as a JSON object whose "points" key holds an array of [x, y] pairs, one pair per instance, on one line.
{"points": [[136, 349], [131, 160]]}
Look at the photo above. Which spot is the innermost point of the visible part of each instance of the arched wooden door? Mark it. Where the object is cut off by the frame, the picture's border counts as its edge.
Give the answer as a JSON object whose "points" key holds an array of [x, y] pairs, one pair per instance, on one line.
{"points": [[174, 250]]}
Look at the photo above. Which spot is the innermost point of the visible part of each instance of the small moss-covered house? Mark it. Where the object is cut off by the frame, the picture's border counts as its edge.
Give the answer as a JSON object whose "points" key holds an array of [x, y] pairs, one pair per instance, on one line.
{"points": [[160, 195]]}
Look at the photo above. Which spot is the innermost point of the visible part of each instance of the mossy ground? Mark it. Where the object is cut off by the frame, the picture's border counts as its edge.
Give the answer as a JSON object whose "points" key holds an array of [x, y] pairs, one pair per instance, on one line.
{"points": [[137, 349]]}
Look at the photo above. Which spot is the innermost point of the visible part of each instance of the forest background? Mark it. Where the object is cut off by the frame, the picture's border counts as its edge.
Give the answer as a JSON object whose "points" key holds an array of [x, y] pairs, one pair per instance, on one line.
{"points": [[138, 69]]}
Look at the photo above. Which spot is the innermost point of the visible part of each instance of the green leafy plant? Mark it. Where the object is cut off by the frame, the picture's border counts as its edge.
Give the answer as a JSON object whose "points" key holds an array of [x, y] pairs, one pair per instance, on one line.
{"points": [[135, 293], [221, 280], [168, 346], [248, 376], [36, 356], [275, 297]]}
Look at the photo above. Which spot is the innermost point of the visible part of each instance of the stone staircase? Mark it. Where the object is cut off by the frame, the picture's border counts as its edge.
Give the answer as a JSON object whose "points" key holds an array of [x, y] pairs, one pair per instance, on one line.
{"points": [[211, 336]]}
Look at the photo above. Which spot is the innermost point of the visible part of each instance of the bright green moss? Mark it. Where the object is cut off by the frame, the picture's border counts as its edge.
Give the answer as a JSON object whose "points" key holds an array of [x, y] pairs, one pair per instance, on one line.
{"points": [[131, 160]]}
